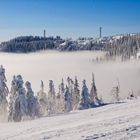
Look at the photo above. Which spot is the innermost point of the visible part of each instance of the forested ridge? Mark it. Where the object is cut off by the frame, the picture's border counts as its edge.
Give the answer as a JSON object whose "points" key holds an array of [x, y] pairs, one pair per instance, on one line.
{"points": [[120, 45]]}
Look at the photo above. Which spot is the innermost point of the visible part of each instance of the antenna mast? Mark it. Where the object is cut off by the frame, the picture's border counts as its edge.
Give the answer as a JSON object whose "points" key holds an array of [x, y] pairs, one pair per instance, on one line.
{"points": [[44, 33], [100, 32]]}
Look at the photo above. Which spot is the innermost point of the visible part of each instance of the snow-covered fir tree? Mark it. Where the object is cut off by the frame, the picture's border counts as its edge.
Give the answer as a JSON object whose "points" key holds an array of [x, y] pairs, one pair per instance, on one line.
{"points": [[115, 92], [85, 102], [71, 89], [3, 91], [20, 109], [33, 106], [76, 94], [62, 87], [60, 103], [68, 100], [93, 94], [42, 99], [51, 98], [12, 98]]}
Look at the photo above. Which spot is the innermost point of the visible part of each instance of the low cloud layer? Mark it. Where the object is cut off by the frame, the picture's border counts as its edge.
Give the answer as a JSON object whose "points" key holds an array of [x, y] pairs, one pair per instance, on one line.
{"points": [[57, 65]]}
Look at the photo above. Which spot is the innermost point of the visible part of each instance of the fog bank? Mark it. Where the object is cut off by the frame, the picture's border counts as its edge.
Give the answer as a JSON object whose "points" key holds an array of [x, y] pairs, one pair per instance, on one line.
{"points": [[52, 65]]}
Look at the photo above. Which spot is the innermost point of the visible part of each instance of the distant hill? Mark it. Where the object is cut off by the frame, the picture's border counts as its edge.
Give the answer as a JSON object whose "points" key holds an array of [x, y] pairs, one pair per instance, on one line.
{"points": [[120, 45], [25, 44]]}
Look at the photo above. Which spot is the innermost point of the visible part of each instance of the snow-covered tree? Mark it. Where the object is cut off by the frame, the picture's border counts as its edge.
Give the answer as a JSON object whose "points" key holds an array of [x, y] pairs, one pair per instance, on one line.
{"points": [[3, 91], [60, 103], [93, 94], [115, 93], [85, 102], [12, 98], [68, 100], [42, 99], [51, 98], [76, 94], [20, 105], [71, 89], [62, 87], [33, 106]]}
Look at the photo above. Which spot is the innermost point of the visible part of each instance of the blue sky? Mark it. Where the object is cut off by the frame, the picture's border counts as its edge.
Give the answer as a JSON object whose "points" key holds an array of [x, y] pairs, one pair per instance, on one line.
{"points": [[68, 18]]}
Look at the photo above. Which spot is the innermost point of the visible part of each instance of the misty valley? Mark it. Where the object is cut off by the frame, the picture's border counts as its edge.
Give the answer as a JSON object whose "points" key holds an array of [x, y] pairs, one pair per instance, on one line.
{"points": [[54, 65]]}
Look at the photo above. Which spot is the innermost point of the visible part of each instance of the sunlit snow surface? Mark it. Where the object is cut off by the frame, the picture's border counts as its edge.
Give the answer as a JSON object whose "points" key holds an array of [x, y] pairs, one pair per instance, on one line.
{"points": [[111, 122], [53, 65]]}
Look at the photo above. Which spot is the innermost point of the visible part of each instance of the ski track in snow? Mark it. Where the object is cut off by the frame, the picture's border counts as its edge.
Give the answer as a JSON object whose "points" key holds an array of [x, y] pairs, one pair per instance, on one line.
{"points": [[111, 122]]}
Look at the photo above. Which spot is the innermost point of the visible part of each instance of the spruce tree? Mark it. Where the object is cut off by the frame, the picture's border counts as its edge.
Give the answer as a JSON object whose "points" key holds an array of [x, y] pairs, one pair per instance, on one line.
{"points": [[71, 89], [51, 98], [60, 105], [76, 94], [68, 100], [62, 87], [93, 94], [3, 92], [12, 98], [33, 106], [85, 102], [42, 99], [20, 105], [116, 92]]}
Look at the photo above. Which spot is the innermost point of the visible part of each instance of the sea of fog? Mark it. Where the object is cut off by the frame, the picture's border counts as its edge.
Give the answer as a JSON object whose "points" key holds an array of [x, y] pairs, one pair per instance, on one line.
{"points": [[53, 65]]}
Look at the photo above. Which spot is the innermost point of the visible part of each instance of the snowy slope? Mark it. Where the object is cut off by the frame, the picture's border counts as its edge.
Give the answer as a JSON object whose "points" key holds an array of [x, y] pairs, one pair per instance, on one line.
{"points": [[115, 121]]}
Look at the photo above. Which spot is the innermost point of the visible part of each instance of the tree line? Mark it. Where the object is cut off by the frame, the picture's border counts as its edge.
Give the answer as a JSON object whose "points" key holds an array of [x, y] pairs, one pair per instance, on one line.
{"points": [[26, 44], [126, 46], [22, 103]]}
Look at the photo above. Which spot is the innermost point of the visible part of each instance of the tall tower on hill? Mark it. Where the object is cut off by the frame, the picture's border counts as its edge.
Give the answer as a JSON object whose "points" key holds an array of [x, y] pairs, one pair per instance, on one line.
{"points": [[44, 33], [100, 32]]}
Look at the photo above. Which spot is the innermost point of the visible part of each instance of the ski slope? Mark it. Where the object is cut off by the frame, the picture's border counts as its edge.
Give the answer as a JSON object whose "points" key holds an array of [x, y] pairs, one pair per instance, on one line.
{"points": [[119, 121]]}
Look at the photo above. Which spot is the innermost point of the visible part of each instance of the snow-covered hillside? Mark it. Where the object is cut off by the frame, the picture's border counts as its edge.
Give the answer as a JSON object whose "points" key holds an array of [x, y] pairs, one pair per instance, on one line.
{"points": [[119, 121]]}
